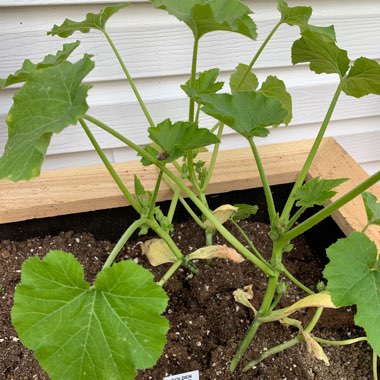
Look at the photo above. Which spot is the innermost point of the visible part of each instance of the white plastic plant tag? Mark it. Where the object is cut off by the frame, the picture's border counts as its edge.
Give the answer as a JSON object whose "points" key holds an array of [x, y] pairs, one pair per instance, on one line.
{"points": [[194, 375]]}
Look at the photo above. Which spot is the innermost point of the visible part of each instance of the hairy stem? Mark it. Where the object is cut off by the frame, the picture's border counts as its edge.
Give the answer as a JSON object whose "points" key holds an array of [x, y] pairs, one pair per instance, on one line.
{"points": [[305, 169], [130, 80], [132, 201], [264, 180]]}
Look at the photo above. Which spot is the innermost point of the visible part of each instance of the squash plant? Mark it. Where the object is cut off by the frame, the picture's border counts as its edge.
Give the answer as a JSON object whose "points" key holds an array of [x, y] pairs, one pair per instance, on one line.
{"points": [[114, 327]]}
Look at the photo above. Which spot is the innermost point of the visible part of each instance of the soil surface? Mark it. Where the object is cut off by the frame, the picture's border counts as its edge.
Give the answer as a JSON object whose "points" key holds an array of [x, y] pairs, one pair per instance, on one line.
{"points": [[206, 324]]}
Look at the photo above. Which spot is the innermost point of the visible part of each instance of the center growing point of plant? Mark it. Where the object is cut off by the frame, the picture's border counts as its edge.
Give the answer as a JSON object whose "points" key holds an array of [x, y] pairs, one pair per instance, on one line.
{"points": [[116, 327]]}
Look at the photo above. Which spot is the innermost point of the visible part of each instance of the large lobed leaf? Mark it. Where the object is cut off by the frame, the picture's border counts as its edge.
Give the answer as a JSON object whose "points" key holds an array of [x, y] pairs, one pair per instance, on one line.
{"points": [[205, 16], [294, 15], [353, 279], [316, 192], [205, 84], [320, 52], [78, 331], [176, 139], [243, 79], [363, 78], [93, 21], [248, 113], [51, 99], [372, 208], [28, 68]]}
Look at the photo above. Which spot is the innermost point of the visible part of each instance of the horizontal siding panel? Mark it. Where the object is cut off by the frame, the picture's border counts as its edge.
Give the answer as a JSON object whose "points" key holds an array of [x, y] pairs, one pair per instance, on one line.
{"points": [[371, 167]]}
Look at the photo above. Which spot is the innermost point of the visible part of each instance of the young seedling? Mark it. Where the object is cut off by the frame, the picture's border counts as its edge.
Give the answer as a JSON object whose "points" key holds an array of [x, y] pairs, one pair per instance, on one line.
{"points": [[115, 325]]}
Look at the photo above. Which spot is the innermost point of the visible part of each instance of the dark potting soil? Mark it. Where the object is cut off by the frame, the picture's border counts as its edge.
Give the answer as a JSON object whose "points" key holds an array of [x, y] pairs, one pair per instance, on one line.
{"points": [[206, 324]]}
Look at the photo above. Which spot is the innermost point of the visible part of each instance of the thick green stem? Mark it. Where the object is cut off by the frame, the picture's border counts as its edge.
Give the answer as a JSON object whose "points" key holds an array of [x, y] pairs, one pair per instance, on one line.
{"points": [[374, 366], [328, 210], [314, 320], [130, 80], [264, 180], [120, 244], [302, 175], [273, 351], [173, 205], [170, 272], [155, 194], [193, 77], [110, 168], [258, 53], [205, 211]]}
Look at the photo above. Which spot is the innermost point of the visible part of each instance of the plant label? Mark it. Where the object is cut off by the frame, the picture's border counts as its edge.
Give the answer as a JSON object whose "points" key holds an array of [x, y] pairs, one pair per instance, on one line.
{"points": [[194, 375]]}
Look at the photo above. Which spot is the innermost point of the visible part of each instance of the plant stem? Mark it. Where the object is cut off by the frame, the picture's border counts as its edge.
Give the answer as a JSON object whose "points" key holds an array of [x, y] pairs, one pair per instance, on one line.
{"points": [[296, 282], [130, 80], [193, 77], [264, 180], [366, 227], [340, 342], [305, 169], [328, 210], [249, 242], [206, 212], [154, 196], [192, 213], [173, 205], [295, 217], [258, 53], [273, 351], [110, 168], [170, 272], [374, 366], [314, 320], [120, 244], [214, 156]]}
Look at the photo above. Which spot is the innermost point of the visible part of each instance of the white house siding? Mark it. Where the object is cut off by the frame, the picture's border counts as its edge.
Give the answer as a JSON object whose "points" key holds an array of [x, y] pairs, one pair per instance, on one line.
{"points": [[157, 50]]}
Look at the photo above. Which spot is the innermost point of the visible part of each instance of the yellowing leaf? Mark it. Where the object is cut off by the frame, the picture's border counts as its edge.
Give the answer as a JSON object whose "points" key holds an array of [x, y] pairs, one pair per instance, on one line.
{"points": [[314, 348], [157, 252], [216, 252], [243, 296], [314, 300], [292, 322], [222, 213]]}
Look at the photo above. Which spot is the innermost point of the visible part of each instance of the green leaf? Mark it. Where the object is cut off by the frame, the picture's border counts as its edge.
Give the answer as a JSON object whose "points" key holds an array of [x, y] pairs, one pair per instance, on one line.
{"points": [[204, 84], [176, 139], [93, 21], [78, 331], [49, 101], [317, 191], [326, 32], [363, 78], [353, 280], [323, 55], [294, 15], [28, 68], [372, 208], [250, 82], [244, 211], [205, 16], [276, 87], [248, 113]]}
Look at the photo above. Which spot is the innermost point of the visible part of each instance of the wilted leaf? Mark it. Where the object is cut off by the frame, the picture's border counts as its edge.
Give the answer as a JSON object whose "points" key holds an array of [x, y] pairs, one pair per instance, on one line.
{"points": [[317, 191], [363, 78], [244, 211], [51, 100], [93, 21], [222, 214], [216, 252], [205, 84], [157, 252], [248, 113], [28, 68], [276, 87], [372, 208], [243, 296], [205, 16], [71, 325], [176, 139], [322, 54], [353, 279], [291, 322], [294, 15], [314, 348], [249, 83], [314, 300]]}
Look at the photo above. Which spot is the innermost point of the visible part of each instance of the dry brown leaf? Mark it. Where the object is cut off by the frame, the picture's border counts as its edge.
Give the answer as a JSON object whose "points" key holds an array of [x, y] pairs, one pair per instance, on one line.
{"points": [[157, 252], [314, 348], [214, 252], [243, 296], [222, 213]]}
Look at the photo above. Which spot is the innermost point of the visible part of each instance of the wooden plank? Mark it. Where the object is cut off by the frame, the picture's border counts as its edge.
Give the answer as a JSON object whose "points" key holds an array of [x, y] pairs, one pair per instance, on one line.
{"points": [[91, 188], [333, 161]]}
